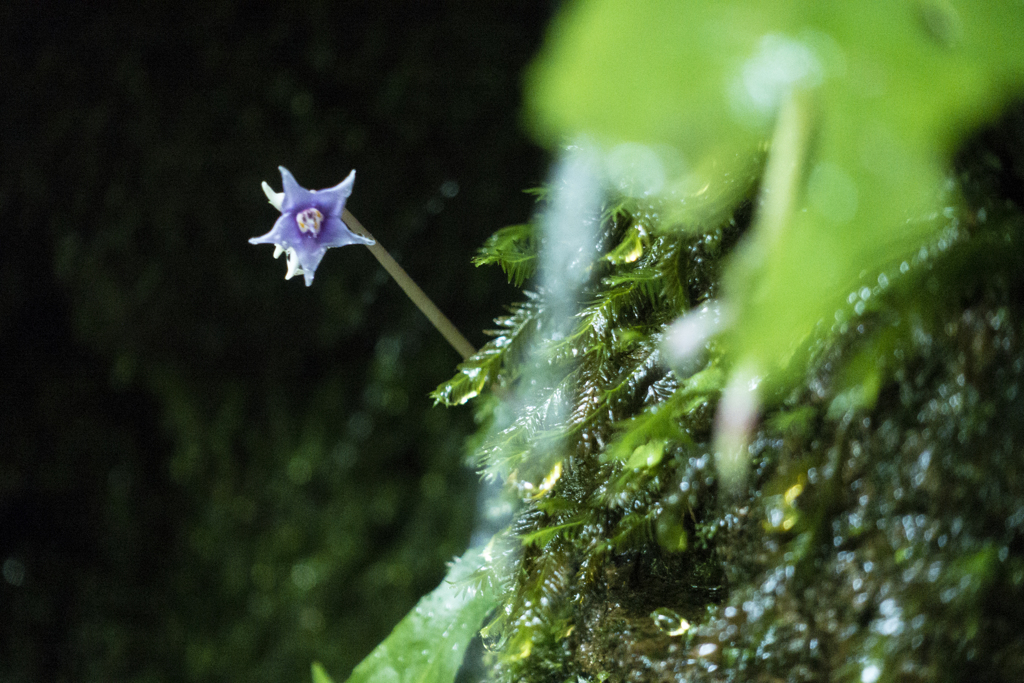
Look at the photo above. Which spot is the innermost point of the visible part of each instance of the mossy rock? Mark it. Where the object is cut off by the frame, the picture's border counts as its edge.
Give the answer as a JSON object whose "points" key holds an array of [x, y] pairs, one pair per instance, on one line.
{"points": [[879, 534]]}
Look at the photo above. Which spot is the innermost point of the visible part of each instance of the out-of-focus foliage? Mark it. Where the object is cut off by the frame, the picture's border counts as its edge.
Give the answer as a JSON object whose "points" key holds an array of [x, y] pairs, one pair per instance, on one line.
{"points": [[891, 88]]}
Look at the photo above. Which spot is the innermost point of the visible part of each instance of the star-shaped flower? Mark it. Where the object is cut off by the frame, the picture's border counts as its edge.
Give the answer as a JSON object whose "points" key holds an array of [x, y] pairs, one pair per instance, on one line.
{"points": [[309, 225]]}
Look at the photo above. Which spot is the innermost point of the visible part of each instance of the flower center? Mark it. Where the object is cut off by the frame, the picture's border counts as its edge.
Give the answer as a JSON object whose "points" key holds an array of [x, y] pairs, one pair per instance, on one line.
{"points": [[309, 221]]}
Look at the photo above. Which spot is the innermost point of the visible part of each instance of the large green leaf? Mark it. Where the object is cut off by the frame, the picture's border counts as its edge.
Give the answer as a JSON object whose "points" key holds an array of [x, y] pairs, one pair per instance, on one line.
{"points": [[428, 645], [891, 89]]}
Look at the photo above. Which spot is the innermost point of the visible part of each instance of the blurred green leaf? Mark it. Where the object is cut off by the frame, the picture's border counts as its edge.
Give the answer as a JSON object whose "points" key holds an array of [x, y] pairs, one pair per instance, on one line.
{"points": [[893, 88], [427, 646], [320, 674], [647, 455]]}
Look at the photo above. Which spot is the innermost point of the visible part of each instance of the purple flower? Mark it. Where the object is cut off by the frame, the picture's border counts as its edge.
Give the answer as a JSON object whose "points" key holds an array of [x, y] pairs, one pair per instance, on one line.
{"points": [[309, 225]]}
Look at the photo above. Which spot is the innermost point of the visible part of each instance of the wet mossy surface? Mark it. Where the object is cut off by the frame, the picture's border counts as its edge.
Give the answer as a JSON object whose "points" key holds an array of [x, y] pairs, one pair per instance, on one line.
{"points": [[879, 534]]}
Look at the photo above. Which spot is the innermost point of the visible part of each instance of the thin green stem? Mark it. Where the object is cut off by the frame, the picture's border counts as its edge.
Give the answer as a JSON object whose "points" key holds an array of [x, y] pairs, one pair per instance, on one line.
{"points": [[418, 296]]}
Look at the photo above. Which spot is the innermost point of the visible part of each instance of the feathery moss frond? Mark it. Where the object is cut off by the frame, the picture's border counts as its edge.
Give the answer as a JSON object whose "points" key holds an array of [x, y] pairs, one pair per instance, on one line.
{"points": [[514, 249], [503, 352]]}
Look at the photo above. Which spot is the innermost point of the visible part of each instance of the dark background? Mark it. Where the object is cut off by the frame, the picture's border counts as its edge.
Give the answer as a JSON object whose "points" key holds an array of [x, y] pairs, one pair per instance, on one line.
{"points": [[206, 472]]}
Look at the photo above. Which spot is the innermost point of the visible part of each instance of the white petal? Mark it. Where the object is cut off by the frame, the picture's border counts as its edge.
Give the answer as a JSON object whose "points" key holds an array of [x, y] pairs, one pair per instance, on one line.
{"points": [[276, 198], [293, 265]]}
